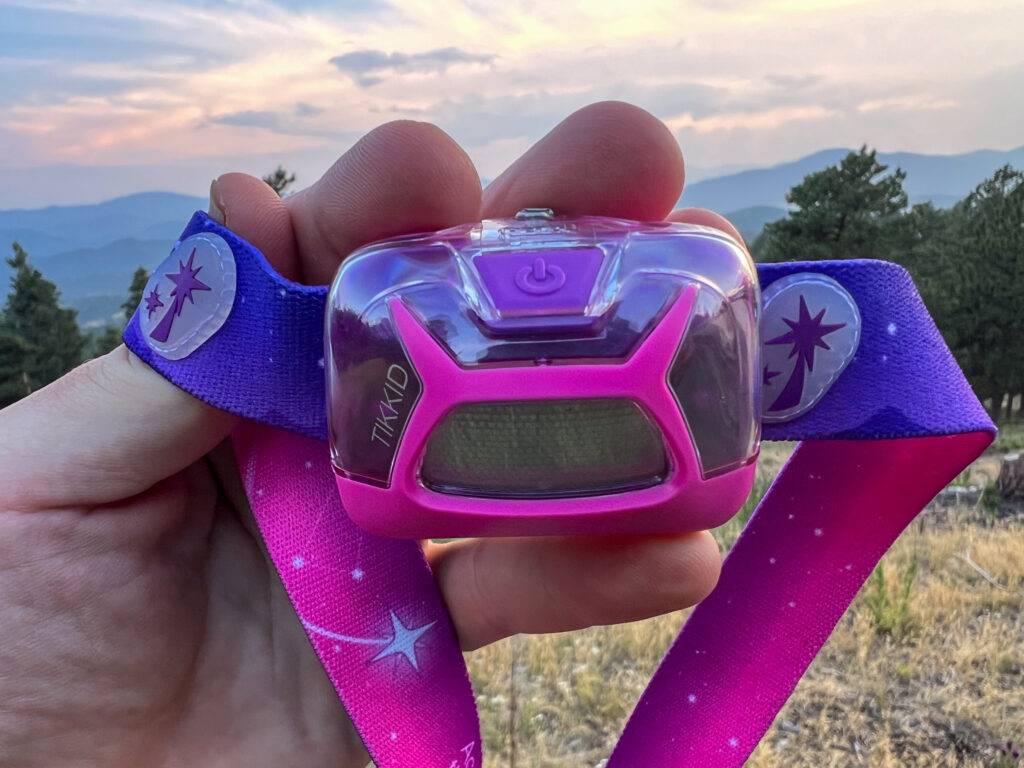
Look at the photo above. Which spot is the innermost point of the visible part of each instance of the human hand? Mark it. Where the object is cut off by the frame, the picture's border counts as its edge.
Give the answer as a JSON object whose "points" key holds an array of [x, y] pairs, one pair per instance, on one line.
{"points": [[140, 620]]}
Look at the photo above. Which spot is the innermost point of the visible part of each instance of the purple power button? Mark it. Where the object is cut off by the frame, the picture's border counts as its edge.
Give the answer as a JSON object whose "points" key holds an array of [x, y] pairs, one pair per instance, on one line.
{"points": [[543, 278], [537, 283]]}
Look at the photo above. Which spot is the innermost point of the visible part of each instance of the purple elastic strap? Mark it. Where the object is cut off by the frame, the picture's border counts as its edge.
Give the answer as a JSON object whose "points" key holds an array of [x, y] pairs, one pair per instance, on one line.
{"points": [[898, 425], [902, 383]]}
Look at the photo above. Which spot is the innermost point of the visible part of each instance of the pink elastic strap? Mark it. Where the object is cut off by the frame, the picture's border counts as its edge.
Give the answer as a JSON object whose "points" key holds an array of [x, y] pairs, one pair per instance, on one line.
{"points": [[832, 513], [370, 607], [365, 601]]}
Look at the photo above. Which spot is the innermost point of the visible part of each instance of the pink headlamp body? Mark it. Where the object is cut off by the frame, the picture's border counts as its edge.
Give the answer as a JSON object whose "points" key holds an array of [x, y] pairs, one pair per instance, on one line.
{"points": [[543, 376]]}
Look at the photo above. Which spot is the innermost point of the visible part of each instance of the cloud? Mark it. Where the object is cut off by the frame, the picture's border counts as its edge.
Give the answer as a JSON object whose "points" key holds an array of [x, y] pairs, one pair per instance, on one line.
{"points": [[38, 34], [906, 103], [47, 83], [727, 6], [367, 66], [480, 118], [302, 109], [251, 118], [793, 82], [744, 82], [284, 123]]}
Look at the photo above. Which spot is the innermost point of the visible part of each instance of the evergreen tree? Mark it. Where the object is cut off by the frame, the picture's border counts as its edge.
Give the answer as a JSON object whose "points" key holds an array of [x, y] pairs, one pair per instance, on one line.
{"points": [[849, 211], [105, 341], [279, 180], [52, 341], [135, 291], [929, 247], [985, 283], [15, 354], [110, 338]]}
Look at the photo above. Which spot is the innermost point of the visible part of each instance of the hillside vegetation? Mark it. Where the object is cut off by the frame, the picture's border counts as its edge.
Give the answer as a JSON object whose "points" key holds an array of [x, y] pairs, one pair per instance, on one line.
{"points": [[925, 669]]}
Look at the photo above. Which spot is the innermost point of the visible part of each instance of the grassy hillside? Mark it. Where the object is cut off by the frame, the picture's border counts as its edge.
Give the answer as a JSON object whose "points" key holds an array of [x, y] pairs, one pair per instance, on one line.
{"points": [[935, 678]]}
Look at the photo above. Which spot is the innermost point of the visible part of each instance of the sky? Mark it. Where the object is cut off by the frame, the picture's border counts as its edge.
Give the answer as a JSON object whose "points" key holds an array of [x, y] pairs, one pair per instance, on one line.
{"points": [[100, 98]]}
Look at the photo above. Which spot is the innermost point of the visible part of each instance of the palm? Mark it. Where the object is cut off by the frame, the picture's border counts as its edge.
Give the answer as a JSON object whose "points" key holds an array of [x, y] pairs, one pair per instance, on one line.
{"points": [[140, 621], [163, 628]]}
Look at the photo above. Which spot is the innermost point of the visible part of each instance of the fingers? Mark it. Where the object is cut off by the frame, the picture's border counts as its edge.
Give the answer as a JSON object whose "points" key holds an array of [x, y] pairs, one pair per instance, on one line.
{"points": [[495, 588], [706, 218], [400, 178], [254, 212], [113, 428], [616, 160], [108, 430], [608, 159]]}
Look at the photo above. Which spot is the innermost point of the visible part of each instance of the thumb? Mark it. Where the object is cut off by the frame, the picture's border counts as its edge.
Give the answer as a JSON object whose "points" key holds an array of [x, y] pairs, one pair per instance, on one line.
{"points": [[113, 427]]}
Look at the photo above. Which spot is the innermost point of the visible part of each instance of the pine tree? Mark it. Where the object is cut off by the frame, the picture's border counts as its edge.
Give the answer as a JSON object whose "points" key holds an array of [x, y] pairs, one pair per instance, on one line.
{"points": [[110, 338], [986, 286], [135, 291], [849, 211], [279, 180], [14, 359], [52, 341]]}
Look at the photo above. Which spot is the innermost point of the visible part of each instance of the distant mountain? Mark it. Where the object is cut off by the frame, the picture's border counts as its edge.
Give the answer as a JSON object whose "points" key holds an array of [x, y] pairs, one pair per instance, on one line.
{"points": [[750, 221], [95, 280], [943, 179], [144, 216], [97, 312], [91, 251], [92, 271], [696, 173]]}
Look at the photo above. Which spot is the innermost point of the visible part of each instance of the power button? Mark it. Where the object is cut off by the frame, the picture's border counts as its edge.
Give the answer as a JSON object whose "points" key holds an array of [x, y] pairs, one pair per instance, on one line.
{"points": [[551, 282], [540, 279]]}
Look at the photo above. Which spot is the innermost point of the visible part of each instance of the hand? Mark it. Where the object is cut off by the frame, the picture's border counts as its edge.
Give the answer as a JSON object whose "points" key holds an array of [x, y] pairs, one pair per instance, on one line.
{"points": [[140, 622]]}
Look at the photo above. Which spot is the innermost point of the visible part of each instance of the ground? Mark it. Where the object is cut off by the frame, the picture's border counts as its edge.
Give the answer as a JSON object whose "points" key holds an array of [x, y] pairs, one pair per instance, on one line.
{"points": [[925, 669]]}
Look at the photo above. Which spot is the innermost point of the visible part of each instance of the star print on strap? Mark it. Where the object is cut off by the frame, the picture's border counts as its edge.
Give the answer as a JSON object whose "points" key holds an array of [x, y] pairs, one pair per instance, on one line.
{"points": [[886, 419]]}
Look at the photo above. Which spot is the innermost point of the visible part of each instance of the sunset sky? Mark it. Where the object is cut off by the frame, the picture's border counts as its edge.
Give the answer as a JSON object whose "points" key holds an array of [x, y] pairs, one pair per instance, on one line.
{"points": [[105, 97]]}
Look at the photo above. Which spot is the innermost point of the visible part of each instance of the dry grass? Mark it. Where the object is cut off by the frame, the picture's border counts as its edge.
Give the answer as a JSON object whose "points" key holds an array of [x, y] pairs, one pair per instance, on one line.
{"points": [[936, 680]]}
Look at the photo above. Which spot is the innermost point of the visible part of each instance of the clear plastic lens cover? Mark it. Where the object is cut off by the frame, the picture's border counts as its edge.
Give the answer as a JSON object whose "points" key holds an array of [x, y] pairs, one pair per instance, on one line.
{"points": [[542, 291], [544, 449]]}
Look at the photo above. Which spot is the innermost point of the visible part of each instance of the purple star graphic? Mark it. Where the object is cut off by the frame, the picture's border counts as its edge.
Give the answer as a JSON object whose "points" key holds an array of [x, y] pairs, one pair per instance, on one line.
{"points": [[153, 301], [806, 334], [767, 376], [185, 281]]}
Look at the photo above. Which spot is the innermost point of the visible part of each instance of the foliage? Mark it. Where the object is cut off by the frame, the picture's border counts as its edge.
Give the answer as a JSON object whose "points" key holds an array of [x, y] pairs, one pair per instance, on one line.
{"points": [[985, 281], [1009, 756], [14, 351], [1009, 439], [111, 335], [279, 180], [135, 291], [43, 339], [849, 211], [889, 604], [967, 262], [105, 341]]}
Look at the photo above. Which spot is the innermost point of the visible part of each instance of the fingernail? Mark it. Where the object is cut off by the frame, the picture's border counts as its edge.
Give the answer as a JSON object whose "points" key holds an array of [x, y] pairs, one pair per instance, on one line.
{"points": [[216, 211]]}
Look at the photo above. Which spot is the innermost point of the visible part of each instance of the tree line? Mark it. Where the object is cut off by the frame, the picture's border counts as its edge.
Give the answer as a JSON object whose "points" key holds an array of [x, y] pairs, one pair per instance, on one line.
{"points": [[967, 262], [40, 340]]}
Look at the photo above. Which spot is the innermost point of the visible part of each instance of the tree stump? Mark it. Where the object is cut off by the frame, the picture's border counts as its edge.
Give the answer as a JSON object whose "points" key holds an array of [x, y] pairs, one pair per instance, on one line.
{"points": [[1010, 482]]}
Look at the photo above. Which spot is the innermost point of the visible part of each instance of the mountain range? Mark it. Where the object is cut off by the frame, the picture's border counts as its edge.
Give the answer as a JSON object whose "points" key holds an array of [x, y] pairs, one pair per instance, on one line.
{"points": [[91, 251]]}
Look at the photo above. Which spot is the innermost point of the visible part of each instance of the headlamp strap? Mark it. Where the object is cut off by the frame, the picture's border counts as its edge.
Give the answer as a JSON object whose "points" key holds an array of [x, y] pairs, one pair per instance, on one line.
{"points": [[894, 429]]}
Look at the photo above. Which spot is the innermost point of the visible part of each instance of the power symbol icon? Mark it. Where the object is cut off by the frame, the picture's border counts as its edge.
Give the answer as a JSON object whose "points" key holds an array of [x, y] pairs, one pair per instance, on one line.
{"points": [[541, 278]]}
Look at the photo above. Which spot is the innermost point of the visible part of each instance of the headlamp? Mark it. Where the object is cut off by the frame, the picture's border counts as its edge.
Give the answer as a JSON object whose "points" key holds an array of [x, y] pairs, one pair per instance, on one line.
{"points": [[544, 375]]}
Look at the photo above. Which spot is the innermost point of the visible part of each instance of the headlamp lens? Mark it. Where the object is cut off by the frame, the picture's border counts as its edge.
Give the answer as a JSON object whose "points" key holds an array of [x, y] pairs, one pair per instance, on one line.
{"points": [[544, 449]]}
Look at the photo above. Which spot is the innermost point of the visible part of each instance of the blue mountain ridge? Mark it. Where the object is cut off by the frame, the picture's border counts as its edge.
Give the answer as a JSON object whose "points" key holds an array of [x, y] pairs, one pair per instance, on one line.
{"points": [[91, 251], [943, 179]]}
